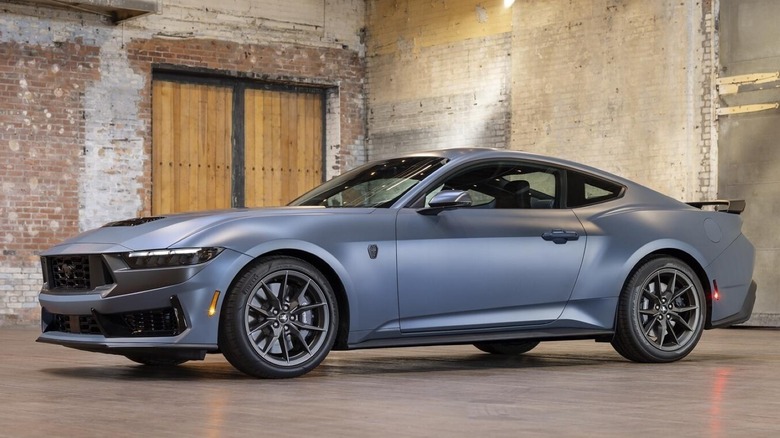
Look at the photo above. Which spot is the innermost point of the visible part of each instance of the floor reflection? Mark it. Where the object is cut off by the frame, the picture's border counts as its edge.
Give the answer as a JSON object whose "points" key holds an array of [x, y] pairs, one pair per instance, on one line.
{"points": [[720, 384]]}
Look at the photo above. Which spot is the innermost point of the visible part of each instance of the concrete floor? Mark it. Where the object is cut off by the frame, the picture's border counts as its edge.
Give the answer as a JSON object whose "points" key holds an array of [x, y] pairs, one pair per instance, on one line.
{"points": [[729, 386]]}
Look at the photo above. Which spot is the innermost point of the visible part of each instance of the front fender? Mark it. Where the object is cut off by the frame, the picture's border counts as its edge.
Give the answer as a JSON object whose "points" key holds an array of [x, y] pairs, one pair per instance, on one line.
{"points": [[341, 241], [345, 278]]}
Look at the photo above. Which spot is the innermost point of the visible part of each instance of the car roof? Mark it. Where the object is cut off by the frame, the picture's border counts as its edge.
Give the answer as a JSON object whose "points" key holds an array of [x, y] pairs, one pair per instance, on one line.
{"points": [[458, 155]]}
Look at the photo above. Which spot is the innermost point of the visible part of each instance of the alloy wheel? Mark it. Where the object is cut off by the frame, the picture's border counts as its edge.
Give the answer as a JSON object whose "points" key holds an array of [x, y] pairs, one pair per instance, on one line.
{"points": [[669, 309], [287, 318]]}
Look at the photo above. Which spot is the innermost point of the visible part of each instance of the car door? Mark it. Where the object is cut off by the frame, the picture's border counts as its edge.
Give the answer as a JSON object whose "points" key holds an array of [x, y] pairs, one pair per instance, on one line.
{"points": [[510, 259]]}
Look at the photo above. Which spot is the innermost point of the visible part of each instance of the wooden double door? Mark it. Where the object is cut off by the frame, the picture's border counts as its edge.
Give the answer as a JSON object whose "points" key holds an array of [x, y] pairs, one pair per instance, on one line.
{"points": [[228, 145]]}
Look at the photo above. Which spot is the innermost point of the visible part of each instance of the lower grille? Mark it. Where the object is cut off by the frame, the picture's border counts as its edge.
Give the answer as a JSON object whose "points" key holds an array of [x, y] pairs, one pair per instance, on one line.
{"points": [[160, 322], [86, 324], [147, 323]]}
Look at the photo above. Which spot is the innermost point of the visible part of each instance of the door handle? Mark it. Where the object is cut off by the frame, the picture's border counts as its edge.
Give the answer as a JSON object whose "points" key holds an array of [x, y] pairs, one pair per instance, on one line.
{"points": [[560, 237]]}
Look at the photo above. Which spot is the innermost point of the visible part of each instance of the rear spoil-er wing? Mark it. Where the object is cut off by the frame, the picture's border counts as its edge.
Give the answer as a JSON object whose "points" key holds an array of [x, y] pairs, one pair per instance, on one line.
{"points": [[734, 206]]}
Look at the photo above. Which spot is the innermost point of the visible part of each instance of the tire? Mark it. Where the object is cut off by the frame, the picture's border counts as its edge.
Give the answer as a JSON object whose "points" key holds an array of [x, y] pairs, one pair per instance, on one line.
{"points": [[661, 312], [506, 347], [155, 361], [279, 320]]}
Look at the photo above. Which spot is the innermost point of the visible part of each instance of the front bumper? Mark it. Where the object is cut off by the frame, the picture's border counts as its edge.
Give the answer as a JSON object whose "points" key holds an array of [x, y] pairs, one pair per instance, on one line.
{"points": [[172, 319]]}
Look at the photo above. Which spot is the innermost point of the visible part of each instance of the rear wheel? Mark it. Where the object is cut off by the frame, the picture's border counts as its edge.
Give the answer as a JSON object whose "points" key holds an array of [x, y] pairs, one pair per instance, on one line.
{"points": [[279, 320], [661, 312], [506, 347]]}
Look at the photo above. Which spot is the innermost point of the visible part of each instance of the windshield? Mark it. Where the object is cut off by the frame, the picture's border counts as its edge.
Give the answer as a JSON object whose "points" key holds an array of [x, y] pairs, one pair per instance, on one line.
{"points": [[377, 184]]}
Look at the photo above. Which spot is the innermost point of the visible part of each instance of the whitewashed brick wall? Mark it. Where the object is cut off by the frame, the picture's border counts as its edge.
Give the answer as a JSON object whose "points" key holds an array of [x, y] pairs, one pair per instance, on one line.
{"points": [[618, 85]]}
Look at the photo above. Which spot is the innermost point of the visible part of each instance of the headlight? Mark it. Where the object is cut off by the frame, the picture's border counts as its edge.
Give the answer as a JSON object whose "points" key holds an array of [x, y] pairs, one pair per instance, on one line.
{"points": [[167, 258]]}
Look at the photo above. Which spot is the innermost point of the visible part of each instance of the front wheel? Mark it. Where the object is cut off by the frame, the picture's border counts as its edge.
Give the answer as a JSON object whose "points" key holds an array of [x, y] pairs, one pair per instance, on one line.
{"points": [[661, 312], [279, 320]]}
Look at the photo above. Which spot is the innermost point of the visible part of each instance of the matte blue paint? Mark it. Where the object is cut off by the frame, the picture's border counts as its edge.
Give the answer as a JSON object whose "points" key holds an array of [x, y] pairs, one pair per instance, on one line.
{"points": [[458, 276]]}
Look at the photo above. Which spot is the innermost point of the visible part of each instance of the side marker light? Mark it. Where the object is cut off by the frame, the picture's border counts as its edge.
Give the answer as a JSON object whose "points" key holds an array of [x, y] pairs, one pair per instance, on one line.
{"points": [[715, 292], [213, 306]]}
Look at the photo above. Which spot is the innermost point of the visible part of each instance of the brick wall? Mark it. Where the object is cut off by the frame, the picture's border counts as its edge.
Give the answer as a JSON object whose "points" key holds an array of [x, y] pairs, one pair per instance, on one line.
{"points": [[41, 139], [708, 172], [75, 107], [438, 75], [618, 85], [622, 85]]}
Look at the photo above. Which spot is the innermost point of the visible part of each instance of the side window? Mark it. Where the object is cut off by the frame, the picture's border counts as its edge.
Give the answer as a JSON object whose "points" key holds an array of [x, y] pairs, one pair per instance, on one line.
{"points": [[585, 190], [506, 185]]}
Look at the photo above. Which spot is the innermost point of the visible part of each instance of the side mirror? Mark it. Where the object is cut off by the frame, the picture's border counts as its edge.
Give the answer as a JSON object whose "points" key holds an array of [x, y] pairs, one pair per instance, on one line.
{"points": [[446, 200]]}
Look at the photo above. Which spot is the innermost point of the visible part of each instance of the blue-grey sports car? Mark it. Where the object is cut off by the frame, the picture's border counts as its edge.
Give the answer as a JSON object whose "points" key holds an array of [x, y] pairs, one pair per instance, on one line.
{"points": [[493, 248]]}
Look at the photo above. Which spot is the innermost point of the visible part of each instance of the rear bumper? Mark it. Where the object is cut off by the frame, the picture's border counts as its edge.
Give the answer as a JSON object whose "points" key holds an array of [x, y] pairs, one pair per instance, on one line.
{"points": [[731, 274], [744, 312]]}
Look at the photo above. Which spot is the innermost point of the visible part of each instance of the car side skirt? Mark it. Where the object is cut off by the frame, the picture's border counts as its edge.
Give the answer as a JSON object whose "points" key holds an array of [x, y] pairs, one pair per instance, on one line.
{"points": [[548, 334]]}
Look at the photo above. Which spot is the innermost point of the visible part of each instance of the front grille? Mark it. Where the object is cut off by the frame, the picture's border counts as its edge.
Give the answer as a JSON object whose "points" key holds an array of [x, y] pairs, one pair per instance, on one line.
{"points": [[146, 323], [75, 273], [70, 272]]}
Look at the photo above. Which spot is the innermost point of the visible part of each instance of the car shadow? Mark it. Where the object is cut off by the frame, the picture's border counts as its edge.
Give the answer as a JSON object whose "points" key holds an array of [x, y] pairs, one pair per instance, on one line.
{"points": [[420, 360], [344, 364]]}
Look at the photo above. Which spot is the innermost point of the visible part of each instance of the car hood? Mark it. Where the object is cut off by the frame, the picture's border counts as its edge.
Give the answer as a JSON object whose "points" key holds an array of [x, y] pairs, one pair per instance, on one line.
{"points": [[165, 231]]}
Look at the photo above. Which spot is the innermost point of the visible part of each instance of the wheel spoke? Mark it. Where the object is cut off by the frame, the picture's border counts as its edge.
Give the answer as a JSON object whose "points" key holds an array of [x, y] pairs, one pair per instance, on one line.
{"points": [[285, 348], [269, 293], [681, 320], [662, 332], [260, 326], [259, 310], [294, 331], [650, 294], [673, 333], [651, 312], [658, 285], [303, 326], [269, 344], [678, 294], [649, 326], [685, 309], [284, 287], [297, 298], [308, 307]]}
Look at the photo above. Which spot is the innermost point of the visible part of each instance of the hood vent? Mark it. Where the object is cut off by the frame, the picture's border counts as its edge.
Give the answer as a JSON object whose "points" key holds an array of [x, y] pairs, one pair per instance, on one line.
{"points": [[133, 222]]}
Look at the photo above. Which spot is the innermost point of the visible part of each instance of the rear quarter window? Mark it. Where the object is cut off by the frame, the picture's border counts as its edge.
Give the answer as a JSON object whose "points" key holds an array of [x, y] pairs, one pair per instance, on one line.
{"points": [[584, 189]]}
